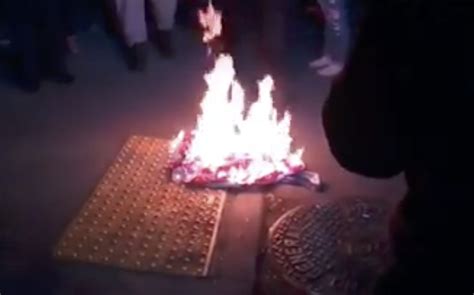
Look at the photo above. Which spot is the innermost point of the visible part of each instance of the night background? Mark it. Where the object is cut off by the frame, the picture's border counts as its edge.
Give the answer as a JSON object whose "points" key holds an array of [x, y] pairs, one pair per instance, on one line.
{"points": [[58, 141]]}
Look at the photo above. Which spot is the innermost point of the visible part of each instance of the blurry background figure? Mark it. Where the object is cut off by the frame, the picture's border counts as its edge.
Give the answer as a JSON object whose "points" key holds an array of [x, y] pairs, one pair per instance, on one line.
{"points": [[132, 18], [336, 38], [77, 21], [273, 25], [83, 15], [39, 30], [259, 27], [266, 18]]}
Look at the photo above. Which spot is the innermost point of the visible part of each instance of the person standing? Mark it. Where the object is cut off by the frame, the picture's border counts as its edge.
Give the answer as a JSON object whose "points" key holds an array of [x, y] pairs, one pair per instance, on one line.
{"points": [[39, 30], [267, 19], [132, 18], [273, 26], [336, 38], [397, 108]]}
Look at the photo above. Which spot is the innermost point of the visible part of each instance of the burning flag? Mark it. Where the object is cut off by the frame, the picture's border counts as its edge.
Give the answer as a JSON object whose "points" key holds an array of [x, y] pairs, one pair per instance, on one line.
{"points": [[232, 146]]}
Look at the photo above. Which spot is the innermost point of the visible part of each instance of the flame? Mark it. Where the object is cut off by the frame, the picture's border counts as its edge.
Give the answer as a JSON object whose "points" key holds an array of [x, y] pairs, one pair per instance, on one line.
{"points": [[251, 145], [230, 145], [211, 21]]}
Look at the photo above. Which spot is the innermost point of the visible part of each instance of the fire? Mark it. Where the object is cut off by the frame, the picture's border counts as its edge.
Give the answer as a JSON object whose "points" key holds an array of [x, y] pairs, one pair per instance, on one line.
{"points": [[211, 21], [232, 145]]}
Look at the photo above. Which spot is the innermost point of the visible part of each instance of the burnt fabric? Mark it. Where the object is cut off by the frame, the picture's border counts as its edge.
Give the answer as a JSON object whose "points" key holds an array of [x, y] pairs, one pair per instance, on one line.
{"points": [[401, 105]]}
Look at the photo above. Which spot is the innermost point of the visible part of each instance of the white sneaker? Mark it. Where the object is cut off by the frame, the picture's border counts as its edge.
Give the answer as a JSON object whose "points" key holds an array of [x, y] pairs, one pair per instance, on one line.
{"points": [[320, 62], [331, 70]]}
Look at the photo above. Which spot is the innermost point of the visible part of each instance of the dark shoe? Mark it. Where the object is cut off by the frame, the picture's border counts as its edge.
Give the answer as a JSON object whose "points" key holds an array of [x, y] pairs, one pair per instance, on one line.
{"points": [[164, 43], [137, 57]]}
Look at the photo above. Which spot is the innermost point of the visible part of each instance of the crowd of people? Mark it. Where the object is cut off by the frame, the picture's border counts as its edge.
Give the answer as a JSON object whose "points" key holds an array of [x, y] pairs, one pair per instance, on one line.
{"points": [[41, 33], [400, 105]]}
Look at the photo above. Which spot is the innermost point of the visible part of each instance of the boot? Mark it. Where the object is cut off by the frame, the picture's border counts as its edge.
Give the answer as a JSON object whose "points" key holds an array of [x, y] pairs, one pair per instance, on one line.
{"points": [[137, 57]]}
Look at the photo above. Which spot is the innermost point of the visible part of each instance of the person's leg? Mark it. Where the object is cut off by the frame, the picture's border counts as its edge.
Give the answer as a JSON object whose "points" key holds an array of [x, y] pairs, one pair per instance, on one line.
{"points": [[273, 25], [325, 59], [75, 18], [23, 23], [230, 28], [164, 12], [131, 14], [273, 30], [340, 23], [336, 38], [53, 47], [26, 45]]}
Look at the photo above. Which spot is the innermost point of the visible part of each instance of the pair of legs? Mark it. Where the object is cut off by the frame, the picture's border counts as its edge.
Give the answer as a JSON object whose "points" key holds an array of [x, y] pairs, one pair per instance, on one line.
{"points": [[267, 21], [132, 17], [39, 37], [273, 32], [268, 18], [336, 38]]}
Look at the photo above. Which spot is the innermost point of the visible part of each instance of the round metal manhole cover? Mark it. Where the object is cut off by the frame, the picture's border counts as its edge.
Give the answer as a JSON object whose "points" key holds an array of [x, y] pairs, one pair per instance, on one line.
{"points": [[339, 246]]}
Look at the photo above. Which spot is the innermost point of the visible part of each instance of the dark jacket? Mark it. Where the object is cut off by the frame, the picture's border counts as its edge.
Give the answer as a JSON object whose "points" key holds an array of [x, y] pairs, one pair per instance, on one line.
{"points": [[402, 105], [43, 13]]}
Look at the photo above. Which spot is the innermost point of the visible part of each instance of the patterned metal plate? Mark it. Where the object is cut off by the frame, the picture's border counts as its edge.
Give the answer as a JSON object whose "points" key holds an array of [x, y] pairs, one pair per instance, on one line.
{"points": [[336, 248], [137, 219]]}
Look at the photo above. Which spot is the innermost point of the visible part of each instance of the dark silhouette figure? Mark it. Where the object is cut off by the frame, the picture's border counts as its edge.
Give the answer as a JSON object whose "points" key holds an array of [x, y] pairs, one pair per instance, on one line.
{"points": [[39, 30], [402, 105], [268, 19]]}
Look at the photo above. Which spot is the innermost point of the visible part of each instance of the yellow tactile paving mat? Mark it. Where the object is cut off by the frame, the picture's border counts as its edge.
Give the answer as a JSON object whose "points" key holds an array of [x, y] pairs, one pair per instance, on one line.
{"points": [[137, 219]]}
